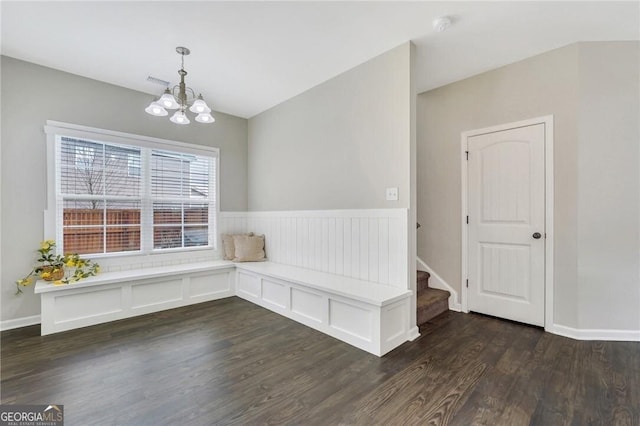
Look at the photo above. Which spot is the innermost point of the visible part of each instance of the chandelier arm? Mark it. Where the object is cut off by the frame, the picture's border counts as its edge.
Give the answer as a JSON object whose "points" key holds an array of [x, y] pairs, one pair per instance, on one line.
{"points": [[189, 94]]}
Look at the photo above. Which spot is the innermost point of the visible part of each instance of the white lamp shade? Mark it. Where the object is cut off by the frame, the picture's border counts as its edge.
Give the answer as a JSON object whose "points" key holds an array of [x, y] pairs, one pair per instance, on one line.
{"points": [[205, 117], [156, 109], [168, 101], [180, 118], [200, 106]]}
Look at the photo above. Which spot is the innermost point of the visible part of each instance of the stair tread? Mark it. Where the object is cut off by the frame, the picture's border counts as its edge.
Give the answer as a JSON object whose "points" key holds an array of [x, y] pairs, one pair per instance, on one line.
{"points": [[431, 309], [431, 301], [422, 280], [431, 295], [423, 275]]}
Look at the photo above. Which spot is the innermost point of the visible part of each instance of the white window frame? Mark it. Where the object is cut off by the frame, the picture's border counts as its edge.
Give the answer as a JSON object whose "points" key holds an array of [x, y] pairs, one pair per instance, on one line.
{"points": [[53, 228]]}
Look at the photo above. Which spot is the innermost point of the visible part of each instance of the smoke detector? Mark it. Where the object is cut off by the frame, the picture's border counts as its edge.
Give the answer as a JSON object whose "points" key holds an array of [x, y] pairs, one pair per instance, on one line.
{"points": [[441, 24]]}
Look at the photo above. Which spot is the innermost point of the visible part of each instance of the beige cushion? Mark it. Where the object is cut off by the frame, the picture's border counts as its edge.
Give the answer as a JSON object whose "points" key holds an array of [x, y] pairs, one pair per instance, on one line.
{"points": [[249, 248], [229, 247]]}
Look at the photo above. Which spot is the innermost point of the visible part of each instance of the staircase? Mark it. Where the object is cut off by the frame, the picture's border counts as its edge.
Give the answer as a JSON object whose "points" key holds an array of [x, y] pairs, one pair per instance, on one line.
{"points": [[431, 302]]}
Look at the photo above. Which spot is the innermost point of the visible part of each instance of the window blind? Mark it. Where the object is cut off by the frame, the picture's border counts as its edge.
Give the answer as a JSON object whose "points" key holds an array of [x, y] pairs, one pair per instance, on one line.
{"points": [[115, 198], [180, 191]]}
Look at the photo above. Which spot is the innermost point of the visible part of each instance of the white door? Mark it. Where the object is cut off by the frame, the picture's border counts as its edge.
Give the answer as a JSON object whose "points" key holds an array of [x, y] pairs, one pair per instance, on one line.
{"points": [[506, 231]]}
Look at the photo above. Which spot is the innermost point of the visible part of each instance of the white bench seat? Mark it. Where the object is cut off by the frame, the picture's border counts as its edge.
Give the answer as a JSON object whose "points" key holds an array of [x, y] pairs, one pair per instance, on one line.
{"points": [[370, 316], [363, 291], [135, 274], [111, 296]]}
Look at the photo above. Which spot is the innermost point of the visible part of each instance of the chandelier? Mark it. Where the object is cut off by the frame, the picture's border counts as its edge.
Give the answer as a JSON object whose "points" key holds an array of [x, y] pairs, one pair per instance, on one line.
{"points": [[181, 98]]}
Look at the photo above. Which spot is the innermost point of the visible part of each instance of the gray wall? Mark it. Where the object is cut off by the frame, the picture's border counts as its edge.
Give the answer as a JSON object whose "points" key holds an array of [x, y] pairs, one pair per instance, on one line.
{"points": [[32, 94], [592, 91], [608, 186], [338, 145]]}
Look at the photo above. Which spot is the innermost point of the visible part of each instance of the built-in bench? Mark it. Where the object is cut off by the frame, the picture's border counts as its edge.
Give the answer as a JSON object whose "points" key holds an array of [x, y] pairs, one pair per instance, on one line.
{"points": [[370, 316], [112, 296]]}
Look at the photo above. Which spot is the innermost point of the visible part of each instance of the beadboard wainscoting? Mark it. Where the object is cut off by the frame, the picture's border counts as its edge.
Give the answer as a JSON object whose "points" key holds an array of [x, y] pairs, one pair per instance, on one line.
{"points": [[369, 245]]}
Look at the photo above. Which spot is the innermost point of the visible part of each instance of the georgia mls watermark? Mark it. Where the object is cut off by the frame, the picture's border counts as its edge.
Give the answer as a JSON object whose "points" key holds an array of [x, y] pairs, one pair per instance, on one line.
{"points": [[32, 415]]}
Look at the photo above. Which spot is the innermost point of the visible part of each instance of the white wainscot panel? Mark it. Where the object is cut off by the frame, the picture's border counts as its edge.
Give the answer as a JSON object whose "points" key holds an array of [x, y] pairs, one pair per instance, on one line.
{"points": [[248, 285], [394, 324], [78, 306], [274, 293], [156, 293], [208, 285], [308, 305], [351, 319]]}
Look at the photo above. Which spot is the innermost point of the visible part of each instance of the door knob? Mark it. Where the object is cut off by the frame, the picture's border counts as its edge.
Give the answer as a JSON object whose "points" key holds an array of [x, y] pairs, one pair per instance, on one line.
{"points": [[537, 235]]}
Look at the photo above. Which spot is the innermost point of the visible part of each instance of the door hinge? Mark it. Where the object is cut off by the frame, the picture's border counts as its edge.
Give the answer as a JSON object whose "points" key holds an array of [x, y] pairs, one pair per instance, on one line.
{"points": [[467, 220], [467, 283], [467, 152]]}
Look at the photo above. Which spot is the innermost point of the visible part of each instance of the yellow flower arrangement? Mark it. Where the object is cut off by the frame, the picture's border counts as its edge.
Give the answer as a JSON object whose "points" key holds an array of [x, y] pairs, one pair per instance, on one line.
{"points": [[52, 265]]}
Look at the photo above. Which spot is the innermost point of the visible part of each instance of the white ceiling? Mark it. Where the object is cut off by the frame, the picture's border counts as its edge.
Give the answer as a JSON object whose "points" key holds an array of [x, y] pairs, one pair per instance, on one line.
{"points": [[249, 56]]}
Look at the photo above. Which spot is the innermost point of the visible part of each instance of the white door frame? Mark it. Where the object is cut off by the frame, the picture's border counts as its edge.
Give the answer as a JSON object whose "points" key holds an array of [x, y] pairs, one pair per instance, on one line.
{"points": [[548, 213]]}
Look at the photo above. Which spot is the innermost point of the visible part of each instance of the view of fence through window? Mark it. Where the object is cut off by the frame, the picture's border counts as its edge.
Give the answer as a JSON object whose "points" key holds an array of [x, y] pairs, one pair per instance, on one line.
{"points": [[107, 194]]}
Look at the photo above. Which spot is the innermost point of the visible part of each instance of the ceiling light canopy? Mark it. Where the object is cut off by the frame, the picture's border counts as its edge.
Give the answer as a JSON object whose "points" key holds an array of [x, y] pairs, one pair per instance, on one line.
{"points": [[441, 24], [181, 98]]}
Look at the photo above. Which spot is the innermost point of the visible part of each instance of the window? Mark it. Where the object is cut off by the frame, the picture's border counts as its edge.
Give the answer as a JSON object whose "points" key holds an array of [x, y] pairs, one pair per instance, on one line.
{"points": [[134, 197], [179, 189], [101, 203]]}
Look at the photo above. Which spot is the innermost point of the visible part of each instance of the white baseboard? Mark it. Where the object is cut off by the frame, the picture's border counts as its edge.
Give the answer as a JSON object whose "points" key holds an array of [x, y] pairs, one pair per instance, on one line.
{"points": [[595, 334], [436, 281], [560, 330], [19, 322], [413, 334]]}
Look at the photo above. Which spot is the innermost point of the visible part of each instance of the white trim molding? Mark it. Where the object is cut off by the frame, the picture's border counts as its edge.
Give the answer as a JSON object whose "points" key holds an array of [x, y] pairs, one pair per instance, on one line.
{"points": [[413, 333], [547, 120], [595, 334], [75, 130], [436, 281], [10, 324]]}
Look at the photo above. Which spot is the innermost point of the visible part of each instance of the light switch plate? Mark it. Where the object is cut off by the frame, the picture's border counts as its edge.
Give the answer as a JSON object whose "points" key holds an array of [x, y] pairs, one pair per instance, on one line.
{"points": [[392, 194]]}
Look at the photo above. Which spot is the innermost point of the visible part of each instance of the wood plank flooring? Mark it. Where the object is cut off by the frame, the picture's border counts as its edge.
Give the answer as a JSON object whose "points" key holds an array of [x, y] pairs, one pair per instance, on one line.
{"points": [[232, 362]]}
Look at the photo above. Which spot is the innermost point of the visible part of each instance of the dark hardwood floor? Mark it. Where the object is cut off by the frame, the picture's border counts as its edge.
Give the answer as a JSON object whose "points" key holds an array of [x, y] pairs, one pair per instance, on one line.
{"points": [[232, 362]]}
